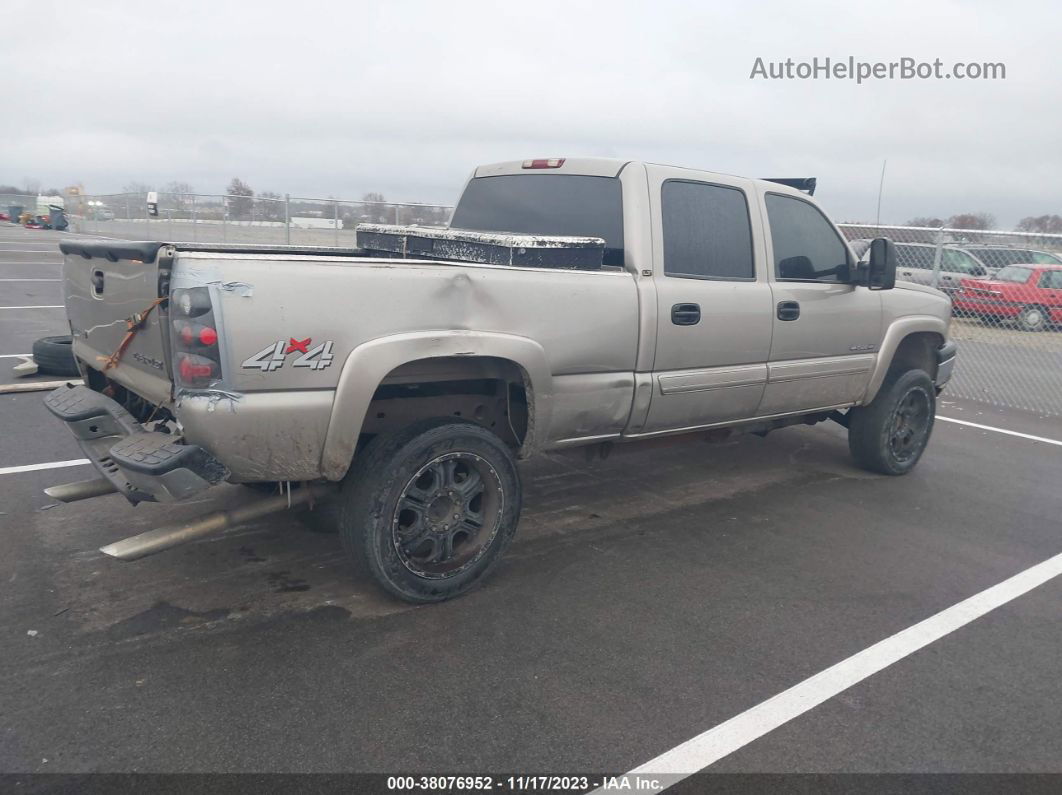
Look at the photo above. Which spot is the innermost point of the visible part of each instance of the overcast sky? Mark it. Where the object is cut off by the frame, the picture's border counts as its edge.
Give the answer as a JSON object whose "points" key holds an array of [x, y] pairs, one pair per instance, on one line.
{"points": [[337, 99]]}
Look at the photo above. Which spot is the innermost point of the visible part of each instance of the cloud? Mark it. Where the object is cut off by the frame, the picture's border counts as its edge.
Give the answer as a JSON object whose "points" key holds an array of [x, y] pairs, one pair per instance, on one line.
{"points": [[406, 97]]}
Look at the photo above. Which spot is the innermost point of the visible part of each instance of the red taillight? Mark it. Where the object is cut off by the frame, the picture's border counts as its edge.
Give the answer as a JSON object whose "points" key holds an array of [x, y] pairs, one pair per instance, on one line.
{"points": [[195, 338], [196, 369], [551, 162], [193, 334]]}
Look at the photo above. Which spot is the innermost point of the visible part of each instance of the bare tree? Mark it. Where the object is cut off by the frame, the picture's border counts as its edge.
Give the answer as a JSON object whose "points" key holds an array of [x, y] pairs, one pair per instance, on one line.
{"points": [[272, 210], [178, 193], [241, 198], [32, 186], [429, 215], [925, 220], [377, 212], [136, 187], [1047, 224], [972, 221]]}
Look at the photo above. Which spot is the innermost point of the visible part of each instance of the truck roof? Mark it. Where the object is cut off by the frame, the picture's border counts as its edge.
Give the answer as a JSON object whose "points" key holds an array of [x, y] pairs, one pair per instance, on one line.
{"points": [[611, 167], [588, 166]]}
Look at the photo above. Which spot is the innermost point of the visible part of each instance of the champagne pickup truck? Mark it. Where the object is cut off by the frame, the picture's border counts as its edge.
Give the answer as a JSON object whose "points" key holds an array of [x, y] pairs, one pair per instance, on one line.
{"points": [[571, 302]]}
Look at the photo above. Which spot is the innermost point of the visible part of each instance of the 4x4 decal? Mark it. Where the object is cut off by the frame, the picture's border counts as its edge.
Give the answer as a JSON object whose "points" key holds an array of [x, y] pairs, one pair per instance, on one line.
{"points": [[273, 356]]}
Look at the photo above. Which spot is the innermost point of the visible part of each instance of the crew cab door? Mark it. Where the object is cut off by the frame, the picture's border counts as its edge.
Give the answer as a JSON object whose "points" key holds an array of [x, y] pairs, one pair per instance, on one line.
{"points": [[713, 300], [826, 331]]}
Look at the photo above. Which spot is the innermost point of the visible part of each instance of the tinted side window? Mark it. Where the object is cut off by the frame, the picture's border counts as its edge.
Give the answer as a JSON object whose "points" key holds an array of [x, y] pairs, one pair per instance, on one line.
{"points": [[1013, 273], [806, 247], [999, 257], [1043, 258], [1051, 280], [960, 262], [918, 257], [707, 232]]}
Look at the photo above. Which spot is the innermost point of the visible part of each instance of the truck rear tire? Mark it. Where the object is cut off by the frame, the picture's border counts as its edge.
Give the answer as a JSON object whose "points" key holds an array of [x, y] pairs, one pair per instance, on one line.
{"points": [[889, 434], [428, 510]]}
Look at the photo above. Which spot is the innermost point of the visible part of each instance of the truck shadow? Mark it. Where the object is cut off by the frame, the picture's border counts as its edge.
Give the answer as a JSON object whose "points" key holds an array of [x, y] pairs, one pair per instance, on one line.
{"points": [[282, 564]]}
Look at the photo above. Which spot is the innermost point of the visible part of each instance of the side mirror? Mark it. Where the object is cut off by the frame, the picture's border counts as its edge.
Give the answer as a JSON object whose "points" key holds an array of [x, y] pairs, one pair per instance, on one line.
{"points": [[881, 266]]}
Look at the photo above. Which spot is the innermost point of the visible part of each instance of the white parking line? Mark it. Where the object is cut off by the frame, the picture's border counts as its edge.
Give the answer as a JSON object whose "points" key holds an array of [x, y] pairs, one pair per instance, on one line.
{"points": [[27, 262], [705, 749], [75, 462], [30, 280], [1043, 439], [14, 355], [54, 306]]}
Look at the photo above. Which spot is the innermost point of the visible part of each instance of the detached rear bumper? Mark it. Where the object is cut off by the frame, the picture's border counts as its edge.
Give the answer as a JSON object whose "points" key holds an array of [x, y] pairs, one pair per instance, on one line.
{"points": [[144, 466], [946, 354]]}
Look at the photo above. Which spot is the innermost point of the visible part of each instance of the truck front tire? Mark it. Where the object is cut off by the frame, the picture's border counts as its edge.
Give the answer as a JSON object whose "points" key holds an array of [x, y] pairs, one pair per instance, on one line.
{"points": [[428, 510], [889, 434]]}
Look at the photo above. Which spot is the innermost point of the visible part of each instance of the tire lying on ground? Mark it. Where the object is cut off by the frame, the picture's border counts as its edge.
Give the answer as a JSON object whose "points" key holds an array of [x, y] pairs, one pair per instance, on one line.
{"points": [[55, 356]]}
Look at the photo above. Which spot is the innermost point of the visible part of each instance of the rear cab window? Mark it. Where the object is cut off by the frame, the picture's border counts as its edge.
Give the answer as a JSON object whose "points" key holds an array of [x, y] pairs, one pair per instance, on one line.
{"points": [[546, 204]]}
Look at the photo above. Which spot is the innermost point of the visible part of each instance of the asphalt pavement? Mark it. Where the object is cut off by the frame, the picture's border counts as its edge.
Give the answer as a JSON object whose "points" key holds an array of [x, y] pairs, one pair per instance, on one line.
{"points": [[646, 599]]}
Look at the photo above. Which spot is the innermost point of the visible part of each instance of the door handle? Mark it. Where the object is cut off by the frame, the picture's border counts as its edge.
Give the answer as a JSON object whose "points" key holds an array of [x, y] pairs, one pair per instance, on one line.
{"points": [[788, 310], [97, 282], [686, 314]]}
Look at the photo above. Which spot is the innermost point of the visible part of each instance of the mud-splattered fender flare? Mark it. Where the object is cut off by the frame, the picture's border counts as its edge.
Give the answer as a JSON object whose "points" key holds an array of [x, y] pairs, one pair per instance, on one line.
{"points": [[368, 364], [895, 334]]}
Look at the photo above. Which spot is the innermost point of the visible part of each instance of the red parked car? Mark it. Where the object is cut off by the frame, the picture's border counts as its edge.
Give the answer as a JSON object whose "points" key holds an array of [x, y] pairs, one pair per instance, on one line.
{"points": [[1030, 295]]}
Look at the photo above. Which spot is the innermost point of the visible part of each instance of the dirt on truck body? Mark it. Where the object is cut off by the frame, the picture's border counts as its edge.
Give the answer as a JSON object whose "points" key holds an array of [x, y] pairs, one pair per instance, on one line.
{"points": [[572, 302]]}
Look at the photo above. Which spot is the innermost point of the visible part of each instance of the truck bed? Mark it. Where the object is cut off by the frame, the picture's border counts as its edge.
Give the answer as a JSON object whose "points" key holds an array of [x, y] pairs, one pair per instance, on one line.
{"points": [[387, 242]]}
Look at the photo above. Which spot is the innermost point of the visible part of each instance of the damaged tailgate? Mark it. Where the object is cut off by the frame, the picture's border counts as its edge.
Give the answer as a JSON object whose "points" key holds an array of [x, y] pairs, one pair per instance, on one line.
{"points": [[115, 294]]}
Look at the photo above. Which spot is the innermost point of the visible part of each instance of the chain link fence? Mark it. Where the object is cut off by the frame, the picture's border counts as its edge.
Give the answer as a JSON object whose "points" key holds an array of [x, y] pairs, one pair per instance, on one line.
{"points": [[1006, 287], [1006, 292], [16, 203], [213, 218]]}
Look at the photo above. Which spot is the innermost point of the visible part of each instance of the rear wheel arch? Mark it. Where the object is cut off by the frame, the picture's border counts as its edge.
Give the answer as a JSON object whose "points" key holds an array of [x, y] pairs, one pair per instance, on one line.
{"points": [[454, 364]]}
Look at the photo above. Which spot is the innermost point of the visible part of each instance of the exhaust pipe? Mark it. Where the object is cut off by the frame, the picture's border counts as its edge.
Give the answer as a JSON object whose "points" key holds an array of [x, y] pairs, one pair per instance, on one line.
{"points": [[82, 490], [169, 536]]}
